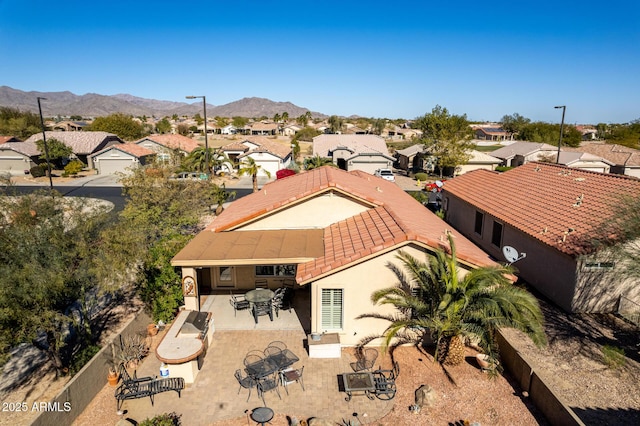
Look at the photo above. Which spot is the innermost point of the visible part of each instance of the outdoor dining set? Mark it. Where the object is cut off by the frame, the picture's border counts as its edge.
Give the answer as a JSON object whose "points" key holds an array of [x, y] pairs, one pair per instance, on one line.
{"points": [[269, 369], [263, 301]]}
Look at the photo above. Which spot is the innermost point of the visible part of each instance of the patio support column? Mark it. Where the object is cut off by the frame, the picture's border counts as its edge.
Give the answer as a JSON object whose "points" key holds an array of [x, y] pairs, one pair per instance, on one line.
{"points": [[190, 289]]}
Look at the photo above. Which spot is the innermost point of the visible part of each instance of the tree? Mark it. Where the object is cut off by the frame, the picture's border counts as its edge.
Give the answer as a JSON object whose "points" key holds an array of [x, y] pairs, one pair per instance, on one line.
{"points": [[14, 122], [124, 126], [435, 301], [183, 129], [446, 136], [276, 118], [317, 161], [163, 126], [335, 124], [285, 117], [514, 123], [307, 134], [378, 126], [56, 148], [239, 122], [625, 134], [550, 133], [304, 119], [248, 166]]}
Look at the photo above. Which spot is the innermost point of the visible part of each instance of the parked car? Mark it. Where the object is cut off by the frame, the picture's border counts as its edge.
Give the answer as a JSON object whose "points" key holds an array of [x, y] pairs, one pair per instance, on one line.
{"points": [[385, 174]]}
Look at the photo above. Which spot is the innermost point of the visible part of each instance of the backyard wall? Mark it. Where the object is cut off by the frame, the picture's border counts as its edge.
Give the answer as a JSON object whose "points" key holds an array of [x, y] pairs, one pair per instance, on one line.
{"points": [[85, 385], [555, 411]]}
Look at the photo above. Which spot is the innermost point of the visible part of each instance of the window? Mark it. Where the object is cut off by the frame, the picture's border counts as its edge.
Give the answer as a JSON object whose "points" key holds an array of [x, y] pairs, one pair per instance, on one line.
{"points": [[276, 271], [496, 236], [331, 309], [225, 276], [477, 228]]}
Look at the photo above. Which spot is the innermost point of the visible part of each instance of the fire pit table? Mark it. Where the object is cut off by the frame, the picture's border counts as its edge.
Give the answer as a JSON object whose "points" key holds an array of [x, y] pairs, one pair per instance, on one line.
{"points": [[358, 382]]}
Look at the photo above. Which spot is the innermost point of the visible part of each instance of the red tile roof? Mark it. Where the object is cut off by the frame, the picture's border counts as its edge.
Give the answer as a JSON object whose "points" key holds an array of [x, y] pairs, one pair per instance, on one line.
{"points": [[559, 206], [175, 141], [394, 219]]}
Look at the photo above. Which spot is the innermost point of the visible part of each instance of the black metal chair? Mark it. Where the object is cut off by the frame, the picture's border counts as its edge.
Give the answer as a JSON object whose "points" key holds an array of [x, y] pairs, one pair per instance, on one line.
{"points": [[267, 384], [385, 382], [261, 283], [262, 308], [366, 358], [282, 300], [289, 283], [245, 382], [252, 357], [290, 376], [278, 344], [239, 303]]}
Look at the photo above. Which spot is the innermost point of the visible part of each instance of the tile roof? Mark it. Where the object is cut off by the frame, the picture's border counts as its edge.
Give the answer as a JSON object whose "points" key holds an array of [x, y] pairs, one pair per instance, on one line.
{"points": [[265, 144], [616, 154], [571, 157], [4, 139], [30, 149], [559, 206], [521, 148], [323, 145], [130, 148], [172, 141], [412, 150], [394, 218], [79, 142]]}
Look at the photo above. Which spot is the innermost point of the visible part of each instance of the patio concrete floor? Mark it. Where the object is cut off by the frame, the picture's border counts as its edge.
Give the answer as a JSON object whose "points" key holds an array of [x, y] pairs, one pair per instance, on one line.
{"points": [[214, 395]]}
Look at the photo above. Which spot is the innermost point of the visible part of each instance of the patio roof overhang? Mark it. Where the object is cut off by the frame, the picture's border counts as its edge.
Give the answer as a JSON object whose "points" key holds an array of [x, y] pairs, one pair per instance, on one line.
{"points": [[261, 247]]}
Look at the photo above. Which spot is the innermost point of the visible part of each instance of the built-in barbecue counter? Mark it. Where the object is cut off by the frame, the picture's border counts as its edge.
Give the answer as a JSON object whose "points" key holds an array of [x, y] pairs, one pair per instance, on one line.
{"points": [[184, 345]]}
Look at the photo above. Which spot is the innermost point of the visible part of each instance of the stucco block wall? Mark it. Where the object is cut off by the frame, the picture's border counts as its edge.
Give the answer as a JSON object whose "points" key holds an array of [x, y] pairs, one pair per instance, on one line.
{"points": [[319, 212]]}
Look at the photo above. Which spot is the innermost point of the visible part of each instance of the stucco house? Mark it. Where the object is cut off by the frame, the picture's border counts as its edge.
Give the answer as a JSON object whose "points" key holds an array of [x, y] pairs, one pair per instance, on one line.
{"points": [[522, 152], [121, 158], [82, 143], [548, 216], [270, 155], [623, 160], [17, 156], [478, 160], [164, 145], [584, 161], [354, 152], [490, 133], [330, 231]]}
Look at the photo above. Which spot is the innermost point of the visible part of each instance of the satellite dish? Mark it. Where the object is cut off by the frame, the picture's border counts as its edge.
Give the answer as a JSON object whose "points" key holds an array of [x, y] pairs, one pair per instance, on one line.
{"points": [[512, 254]]}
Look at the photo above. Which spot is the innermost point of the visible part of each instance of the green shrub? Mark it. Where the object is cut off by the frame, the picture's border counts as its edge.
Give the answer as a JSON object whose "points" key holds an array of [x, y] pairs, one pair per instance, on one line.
{"points": [[166, 419], [503, 168], [74, 167], [82, 357], [37, 171], [613, 357], [422, 177]]}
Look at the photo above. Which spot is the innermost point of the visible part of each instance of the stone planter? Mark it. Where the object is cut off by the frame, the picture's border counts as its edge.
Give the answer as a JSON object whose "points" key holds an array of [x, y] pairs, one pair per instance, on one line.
{"points": [[152, 329]]}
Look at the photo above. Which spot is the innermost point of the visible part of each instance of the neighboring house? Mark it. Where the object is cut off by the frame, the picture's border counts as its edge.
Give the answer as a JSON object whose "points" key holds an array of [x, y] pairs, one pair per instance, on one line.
{"points": [[491, 134], [291, 129], [18, 157], [354, 152], [519, 153], [410, 159], [121, 158], [229, 129], [264, 129], [83, 143], [164, 145], [5, 139], [478, 160], [550, 215], [332, 232], [623, 160], [69, 126], [583, 161], [270, 155]]}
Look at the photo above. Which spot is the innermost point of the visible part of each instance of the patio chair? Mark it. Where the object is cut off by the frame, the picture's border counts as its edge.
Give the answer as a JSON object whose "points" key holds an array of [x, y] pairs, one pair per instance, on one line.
{"points": [[272, 351], [239, 303], [278, 344], [281, 301], [385, 382], [288, 283], [262, 308], [365, 359], [252, 357], [267, 384], [292, 375], [261, 283], [245, 382]]}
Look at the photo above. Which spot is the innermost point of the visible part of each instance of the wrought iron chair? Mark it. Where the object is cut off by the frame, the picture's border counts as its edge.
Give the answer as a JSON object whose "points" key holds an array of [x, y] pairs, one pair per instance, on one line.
{"points": [[278, 344], [288, 283], [262, 308], [282, 300], [245, 382], [261, 283], [267, 384], [239, 303], [292, 375], [365, 359], [385, 382]]}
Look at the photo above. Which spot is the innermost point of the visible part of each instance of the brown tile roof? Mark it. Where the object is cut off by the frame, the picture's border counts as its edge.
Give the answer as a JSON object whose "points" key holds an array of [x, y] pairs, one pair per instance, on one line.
{"points": [[269, 145], [79, 142], [394, 219], [235, 146], [5, 139], [559, 206], [323, 145], [30, 149], [174, 141], [130, 148], [617, 154]]}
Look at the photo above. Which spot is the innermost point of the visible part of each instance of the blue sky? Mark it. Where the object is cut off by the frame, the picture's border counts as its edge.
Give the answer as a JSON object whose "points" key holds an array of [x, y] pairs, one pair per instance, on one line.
{"points": [[374, 59]]}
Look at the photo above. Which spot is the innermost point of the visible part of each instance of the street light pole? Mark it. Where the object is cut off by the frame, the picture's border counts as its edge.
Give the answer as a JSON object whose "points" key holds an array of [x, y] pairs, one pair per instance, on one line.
{"points": [[44, 140], [564, 108], [206, 134]]}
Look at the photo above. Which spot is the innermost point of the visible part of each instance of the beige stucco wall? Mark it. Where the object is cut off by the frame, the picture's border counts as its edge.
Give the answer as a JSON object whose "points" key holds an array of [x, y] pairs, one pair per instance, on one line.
{"points": [[358, 283], [592, 166], [465, 168], [547, 270], [318, 212]]}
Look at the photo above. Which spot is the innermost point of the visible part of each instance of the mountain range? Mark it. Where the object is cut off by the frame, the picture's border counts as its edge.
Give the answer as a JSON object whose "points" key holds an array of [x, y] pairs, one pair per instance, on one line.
{"points": [[95, 105]]}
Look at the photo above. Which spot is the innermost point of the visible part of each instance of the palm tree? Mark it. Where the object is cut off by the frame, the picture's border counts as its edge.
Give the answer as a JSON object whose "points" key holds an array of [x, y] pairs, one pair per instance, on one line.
{"points": [[436, 302], [197, 159], [248, 166], [317, 161]]}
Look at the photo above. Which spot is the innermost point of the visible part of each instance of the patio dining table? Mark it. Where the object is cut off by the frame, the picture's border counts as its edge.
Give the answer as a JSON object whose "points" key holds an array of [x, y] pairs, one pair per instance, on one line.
{"points": [[271, 364], [259, 295]]}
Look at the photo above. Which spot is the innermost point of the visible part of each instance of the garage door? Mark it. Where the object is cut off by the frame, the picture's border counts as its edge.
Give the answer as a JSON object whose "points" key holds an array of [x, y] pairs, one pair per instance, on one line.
{"points": [[109, 166], [270, 166], [13, 165]]}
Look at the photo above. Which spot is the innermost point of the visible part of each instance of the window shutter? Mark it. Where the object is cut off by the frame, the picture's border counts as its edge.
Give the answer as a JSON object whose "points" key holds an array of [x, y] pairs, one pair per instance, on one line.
{"points": [[331, 309]]}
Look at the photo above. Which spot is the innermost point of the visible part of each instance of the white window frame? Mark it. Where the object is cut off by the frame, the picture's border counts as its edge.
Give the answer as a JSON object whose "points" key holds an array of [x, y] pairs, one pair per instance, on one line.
{"points": [[331, 309]]}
